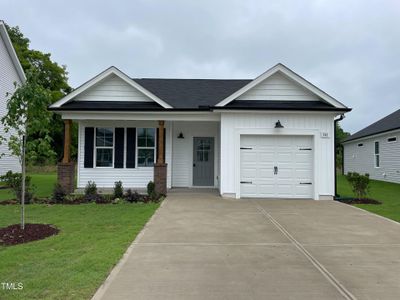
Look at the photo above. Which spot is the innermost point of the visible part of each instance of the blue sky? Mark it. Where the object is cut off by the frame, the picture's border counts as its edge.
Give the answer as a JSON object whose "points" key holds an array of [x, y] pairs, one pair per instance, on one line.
{"points": [[350, 49]]}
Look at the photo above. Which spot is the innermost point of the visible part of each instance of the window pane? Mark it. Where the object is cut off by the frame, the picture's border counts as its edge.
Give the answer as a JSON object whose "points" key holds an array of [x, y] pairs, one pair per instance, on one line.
{"points": [[104, 137], [150, 134], [376, 147], [145, 157], [146, 137], [377, 161], [104, 157]]}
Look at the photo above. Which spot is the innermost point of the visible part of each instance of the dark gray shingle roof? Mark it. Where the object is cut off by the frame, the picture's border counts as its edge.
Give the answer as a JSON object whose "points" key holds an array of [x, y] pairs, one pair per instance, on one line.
{"points": [[192, 93], [388, 123]]}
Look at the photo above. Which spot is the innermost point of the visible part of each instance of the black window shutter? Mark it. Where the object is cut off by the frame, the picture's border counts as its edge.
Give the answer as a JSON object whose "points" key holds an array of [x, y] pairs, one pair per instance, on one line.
{"points": [[130, 147], [89, 144], [158, 134], [119, 148]]}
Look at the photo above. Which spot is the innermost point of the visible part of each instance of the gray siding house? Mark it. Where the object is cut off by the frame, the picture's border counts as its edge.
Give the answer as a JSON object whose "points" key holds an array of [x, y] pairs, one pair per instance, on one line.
{"points": [[10, 72], [375, 150]]}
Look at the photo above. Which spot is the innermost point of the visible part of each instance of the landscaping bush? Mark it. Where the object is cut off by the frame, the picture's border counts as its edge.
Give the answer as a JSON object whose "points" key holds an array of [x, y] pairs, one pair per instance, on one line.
{"points": [[118, 190], [14, 181], [59, 194], [359, 184], [133, 197], [91, 191], [151, 191]]}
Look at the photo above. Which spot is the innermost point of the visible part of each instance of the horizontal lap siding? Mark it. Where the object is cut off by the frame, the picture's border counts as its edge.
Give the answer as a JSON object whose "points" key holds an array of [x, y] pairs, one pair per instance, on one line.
{"points": [[278, 87], [232, 122], [105, 177], [112, 88], [8, 75], [361, 159]]}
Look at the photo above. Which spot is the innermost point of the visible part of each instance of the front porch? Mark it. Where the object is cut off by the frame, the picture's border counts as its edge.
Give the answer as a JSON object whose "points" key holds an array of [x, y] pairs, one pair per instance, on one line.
{"points": [[171, 153]]}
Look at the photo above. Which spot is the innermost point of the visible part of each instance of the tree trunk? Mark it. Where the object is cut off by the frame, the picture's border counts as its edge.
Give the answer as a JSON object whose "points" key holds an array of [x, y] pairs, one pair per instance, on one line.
{"points": [[23, 183]]}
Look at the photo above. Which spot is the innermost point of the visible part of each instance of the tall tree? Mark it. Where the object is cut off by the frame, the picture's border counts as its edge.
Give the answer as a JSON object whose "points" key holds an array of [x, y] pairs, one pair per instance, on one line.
{"points": [[52, 77]]}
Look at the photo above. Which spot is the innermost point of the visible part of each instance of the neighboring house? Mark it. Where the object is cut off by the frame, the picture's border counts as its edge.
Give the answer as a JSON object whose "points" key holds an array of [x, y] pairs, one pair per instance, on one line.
{"points": [[268, 137], [10, 72], [375, 150]]}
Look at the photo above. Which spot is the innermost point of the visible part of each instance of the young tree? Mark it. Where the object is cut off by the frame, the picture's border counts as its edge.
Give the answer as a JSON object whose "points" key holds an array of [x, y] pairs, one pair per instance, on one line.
{"points": [[27, 115]]}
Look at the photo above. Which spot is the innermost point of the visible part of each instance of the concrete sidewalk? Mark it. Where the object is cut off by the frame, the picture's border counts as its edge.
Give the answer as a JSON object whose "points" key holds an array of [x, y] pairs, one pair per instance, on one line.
{"points": [[200, 246]]}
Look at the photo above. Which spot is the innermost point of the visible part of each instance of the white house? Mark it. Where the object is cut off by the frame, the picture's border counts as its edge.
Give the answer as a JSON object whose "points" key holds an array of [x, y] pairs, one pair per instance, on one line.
{"points": [[375, 150], [268, 137], [10, 72]]}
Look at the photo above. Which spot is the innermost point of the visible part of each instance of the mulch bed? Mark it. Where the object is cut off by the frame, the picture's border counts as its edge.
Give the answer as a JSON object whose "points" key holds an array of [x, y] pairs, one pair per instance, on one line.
{"points": [[358, 201], [8, 202], [13, 234]]}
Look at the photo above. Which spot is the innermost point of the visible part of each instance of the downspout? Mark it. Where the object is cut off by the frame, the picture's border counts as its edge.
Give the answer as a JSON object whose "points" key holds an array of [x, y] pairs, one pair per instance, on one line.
{"points": [[334, 149]]}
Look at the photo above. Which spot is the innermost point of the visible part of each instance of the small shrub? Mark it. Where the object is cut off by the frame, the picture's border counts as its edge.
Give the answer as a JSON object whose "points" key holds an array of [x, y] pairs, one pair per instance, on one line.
{"points": [[118, 190], [359, 183], [151, 192], [91, 191], [91, 188], [132, 197], [14, 181], [58, 193]]}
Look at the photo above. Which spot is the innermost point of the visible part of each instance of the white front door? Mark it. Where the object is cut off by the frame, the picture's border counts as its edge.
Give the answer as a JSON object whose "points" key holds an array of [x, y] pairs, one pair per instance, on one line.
{"points": [[276, 166]]}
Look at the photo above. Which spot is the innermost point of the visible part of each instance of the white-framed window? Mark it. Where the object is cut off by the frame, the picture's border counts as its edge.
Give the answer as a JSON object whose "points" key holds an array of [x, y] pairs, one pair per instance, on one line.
{"points": [[104, 147], [376, 155], [392, 139], [146, 147]]}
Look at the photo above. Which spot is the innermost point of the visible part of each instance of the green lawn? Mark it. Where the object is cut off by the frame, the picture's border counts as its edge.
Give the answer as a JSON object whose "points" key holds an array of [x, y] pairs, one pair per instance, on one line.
{"points": [[43, 182], [73, 264], [387, 193]]}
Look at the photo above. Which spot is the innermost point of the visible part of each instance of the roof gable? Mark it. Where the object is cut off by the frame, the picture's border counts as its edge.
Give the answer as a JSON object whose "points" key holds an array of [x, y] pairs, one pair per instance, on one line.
{"points": [[110, 76], [112, 88], [299, 85], [278, 87], [5, 39]]}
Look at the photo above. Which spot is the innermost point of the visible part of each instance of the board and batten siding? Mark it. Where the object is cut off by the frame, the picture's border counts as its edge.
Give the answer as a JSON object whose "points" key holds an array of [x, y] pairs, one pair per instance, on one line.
{"points": [[105, 177], [8, 75], [112, 88], [182, 150], [278, 87], [361, 159], [233, 125]]}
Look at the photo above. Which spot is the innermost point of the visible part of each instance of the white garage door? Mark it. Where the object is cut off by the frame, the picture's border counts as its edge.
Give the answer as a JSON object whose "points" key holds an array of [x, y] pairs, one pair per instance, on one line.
{"points": [[276, 166]]}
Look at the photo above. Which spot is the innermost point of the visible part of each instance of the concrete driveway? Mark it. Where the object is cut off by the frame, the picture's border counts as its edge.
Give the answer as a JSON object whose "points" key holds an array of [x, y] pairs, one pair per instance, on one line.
{"points": [[200, 246]]}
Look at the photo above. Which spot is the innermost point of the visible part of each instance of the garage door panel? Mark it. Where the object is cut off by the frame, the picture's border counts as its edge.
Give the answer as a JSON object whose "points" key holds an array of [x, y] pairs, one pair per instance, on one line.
{"points": [[294, 166]]}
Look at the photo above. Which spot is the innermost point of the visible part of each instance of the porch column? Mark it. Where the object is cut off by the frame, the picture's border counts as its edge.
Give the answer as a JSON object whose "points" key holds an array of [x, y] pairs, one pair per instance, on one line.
{"points": [[160, 168], [66, 168]]}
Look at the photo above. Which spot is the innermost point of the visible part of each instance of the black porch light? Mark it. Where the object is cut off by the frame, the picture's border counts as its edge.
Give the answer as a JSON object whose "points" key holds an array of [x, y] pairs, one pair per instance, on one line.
{"points": [[278, 124], [180, 136]]}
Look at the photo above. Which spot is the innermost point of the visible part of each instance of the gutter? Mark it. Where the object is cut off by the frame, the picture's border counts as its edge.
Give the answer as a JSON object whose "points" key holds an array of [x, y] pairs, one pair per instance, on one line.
{"points": [[335, 121]]}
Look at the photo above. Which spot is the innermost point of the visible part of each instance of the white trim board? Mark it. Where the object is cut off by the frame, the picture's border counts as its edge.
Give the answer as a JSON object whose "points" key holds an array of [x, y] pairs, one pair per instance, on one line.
{"points": [[11, 51], [290, 74], [110, 71]]}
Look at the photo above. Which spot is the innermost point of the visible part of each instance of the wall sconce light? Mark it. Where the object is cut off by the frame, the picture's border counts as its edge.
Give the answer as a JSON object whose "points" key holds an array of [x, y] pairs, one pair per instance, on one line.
{"points": [[180, 136], [278, 124]]}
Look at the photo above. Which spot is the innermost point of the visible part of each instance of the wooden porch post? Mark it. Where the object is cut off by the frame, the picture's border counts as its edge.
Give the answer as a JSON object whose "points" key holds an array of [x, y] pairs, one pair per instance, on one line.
{"points": [[66, 168], [160, 168], [160, 154], [67, 141]]}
